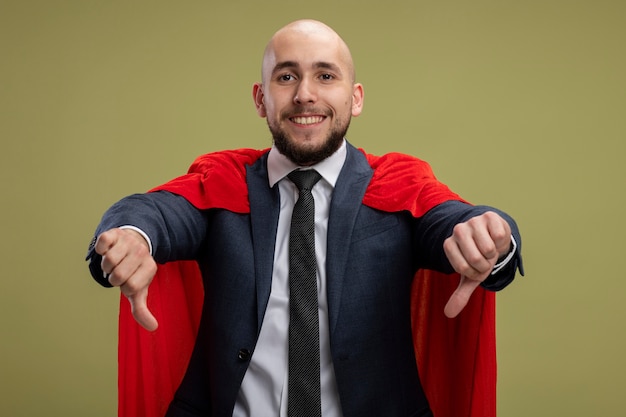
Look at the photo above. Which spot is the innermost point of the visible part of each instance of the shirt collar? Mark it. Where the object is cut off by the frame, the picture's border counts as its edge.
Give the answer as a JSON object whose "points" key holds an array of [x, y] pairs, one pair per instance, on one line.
{"points": [[278, 166]]}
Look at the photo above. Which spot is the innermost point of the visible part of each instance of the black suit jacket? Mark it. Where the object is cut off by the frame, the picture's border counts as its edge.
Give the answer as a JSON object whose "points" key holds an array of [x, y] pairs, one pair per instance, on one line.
{"points": [[372, 257]]}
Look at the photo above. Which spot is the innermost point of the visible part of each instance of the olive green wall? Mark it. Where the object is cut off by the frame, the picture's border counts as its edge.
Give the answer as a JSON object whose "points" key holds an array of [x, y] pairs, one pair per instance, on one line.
{"points": [[517, 104]]}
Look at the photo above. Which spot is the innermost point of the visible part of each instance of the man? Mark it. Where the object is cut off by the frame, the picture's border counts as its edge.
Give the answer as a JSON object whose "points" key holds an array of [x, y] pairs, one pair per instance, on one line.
{"points": [[377, 222]]}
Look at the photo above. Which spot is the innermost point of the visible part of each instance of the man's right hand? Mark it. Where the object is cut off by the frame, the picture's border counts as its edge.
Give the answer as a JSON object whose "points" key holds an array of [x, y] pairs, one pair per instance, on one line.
{"points": [[128, 264]]}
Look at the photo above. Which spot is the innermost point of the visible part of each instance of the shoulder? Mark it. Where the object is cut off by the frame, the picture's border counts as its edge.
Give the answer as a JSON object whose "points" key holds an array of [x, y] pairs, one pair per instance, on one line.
{"points": [[226, 161], [398, 164], [403, 182], [216, 180]]}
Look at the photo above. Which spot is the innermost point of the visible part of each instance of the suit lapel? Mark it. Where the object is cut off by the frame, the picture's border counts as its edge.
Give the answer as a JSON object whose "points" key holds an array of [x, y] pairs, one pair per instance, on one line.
{"points": [[264, 211], [346, 201]]}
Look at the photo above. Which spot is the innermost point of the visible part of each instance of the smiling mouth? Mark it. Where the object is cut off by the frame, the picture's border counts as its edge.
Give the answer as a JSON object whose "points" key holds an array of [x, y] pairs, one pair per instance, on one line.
{"points": [[307, 120]]}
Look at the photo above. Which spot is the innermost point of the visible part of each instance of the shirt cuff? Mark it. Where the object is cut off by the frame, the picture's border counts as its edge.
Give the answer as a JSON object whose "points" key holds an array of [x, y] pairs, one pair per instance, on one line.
{"points": [[142, 233], [500, 265]]}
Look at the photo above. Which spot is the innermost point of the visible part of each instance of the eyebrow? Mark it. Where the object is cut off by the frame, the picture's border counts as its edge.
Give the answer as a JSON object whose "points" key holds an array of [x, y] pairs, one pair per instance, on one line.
{"points": [[320, 64]]}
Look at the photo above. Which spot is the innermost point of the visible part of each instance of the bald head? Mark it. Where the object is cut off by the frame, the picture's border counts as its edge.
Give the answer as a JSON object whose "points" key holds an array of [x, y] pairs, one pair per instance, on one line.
{"points": [[308, 94], [306, 35]]}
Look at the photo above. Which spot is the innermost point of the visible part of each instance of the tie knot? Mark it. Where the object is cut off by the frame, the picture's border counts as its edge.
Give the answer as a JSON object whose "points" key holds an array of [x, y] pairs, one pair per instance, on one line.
{"points": [[304, 179]]}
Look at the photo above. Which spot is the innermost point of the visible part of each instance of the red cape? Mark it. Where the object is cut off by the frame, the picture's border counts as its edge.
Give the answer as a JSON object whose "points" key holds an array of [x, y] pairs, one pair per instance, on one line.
{"points": [[456, 357]]}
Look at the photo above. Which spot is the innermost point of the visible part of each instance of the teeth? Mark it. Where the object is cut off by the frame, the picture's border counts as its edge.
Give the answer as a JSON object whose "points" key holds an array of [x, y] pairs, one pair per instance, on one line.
{"points": [[309, 120]]}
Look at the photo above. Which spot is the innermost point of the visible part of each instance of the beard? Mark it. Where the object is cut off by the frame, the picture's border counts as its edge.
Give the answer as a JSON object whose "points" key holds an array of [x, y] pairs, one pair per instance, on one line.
{"points": [[302, 155]]}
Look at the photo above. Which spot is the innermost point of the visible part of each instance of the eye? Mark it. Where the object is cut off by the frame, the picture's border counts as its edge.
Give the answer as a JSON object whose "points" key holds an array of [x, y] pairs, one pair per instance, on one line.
{"points": [[286, 77], [327, 77]]}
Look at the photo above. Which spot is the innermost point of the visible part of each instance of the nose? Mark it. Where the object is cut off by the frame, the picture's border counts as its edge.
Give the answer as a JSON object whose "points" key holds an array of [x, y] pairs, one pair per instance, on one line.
{"points": [[305, 93]]}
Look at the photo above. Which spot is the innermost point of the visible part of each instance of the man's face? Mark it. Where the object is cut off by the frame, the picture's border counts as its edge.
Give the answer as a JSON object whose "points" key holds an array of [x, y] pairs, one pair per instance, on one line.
{"points": [[308, 94]]}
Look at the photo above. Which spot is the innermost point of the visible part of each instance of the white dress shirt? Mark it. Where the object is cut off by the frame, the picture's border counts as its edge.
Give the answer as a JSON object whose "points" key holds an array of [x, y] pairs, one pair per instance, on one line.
{"points": [[264, 388]]}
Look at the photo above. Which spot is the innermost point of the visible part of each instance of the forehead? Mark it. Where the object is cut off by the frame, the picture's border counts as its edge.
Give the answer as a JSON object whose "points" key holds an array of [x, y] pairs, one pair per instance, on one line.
{"points": [[305, 50]]}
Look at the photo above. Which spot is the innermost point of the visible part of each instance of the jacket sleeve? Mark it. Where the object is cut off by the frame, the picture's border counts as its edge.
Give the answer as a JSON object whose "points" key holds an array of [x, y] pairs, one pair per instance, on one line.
{"points": [[437, 224], [176, 228]]}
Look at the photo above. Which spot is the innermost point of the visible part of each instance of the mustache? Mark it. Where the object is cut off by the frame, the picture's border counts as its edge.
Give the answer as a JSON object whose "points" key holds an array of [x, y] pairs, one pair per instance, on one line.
{"points": [[299, 110]]}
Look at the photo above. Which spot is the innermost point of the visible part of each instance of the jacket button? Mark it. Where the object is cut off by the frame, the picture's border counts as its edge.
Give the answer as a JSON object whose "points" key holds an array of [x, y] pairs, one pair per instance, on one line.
{"points": [[244, 355]]}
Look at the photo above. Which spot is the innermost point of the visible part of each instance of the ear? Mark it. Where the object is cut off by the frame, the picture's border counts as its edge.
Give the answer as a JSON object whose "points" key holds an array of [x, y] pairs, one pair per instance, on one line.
{"points": [[357, 99], [259, 99]]}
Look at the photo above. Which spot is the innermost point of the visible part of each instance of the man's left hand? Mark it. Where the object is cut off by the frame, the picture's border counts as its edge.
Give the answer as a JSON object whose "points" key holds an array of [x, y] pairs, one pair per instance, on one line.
{"points": [[473, 249]]}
